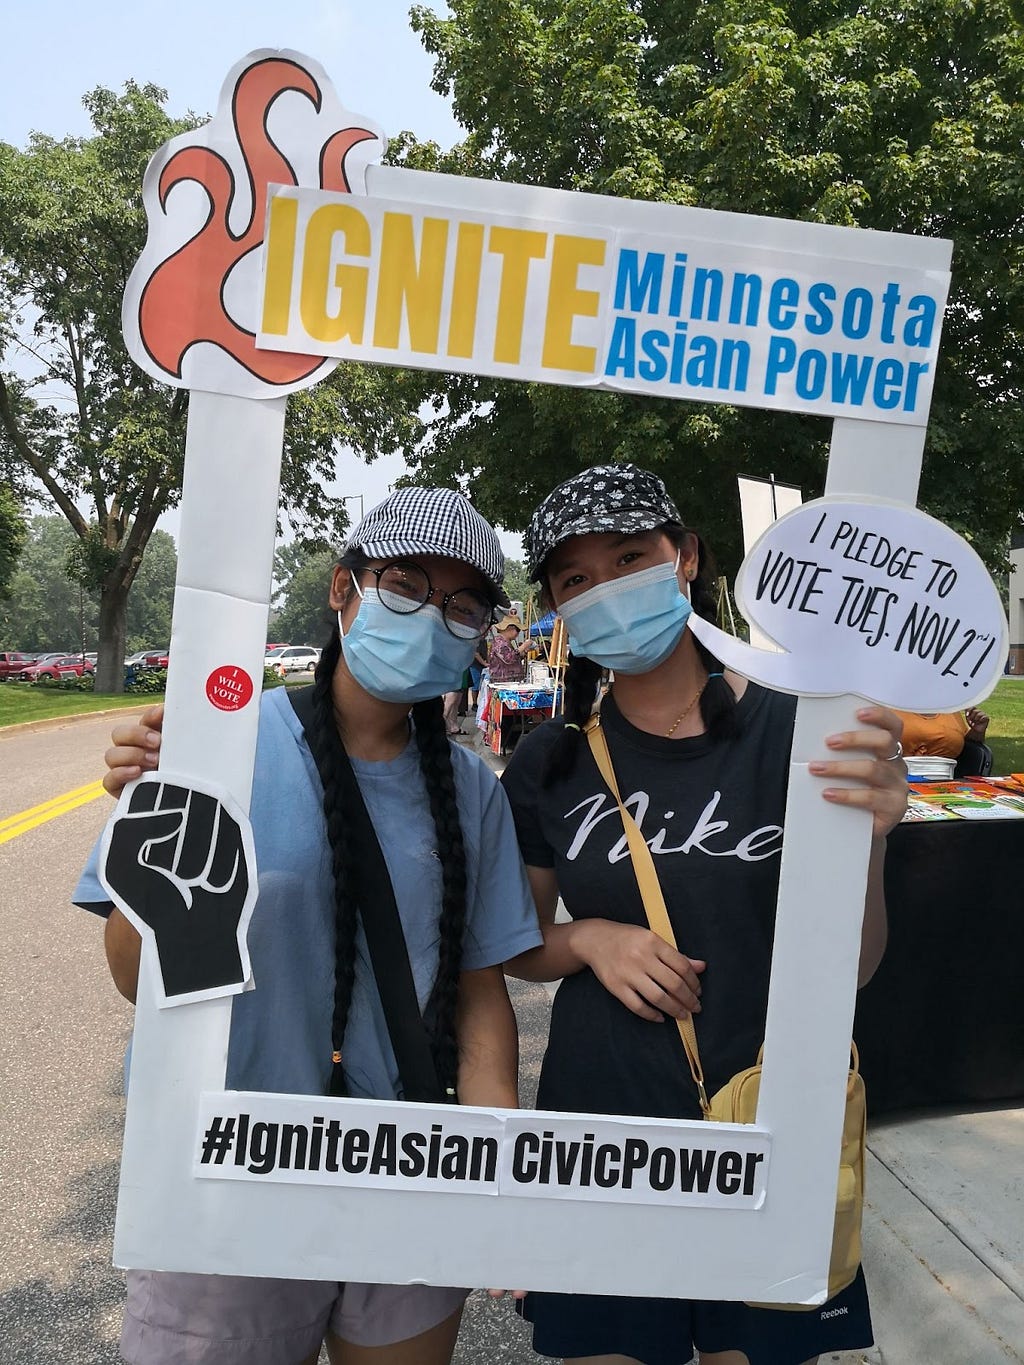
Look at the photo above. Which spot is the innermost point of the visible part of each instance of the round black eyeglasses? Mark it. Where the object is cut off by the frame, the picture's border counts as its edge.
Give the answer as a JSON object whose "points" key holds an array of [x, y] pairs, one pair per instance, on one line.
{"points": [[405, 588]]}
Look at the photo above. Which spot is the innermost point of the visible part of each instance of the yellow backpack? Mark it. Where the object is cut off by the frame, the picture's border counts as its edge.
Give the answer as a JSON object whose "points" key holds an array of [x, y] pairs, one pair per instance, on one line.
{"points": [[736, 1102]]}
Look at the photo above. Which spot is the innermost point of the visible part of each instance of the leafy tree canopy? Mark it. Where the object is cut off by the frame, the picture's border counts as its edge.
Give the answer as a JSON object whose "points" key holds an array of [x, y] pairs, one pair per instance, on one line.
{"points": [[79, 423], [12, 536], [76, 418], [151, 597], [900, 117], [49, 609], [301, 615], [517, 583]]}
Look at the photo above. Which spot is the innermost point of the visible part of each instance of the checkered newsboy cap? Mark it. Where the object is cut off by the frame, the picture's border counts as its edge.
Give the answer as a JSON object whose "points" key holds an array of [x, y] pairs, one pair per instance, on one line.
{"points": [[607, 497], [432, 521]]}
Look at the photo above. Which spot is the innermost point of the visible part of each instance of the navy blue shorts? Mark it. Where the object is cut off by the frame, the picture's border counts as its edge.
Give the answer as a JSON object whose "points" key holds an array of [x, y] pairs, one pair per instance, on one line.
{"points": [[669, 1331]]}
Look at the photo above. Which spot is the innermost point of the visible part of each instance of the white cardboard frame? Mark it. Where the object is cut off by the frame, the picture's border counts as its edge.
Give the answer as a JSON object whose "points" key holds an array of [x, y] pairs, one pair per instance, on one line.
{"points": [[168, 1219]]}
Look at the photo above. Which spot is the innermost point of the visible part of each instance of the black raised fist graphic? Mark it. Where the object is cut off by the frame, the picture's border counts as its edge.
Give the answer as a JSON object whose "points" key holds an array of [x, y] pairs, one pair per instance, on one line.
{"points": [[176, 860]]}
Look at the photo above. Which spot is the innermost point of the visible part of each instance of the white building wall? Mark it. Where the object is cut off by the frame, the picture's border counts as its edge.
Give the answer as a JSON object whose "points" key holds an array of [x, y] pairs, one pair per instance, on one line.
{"points": [[1016, 612]]}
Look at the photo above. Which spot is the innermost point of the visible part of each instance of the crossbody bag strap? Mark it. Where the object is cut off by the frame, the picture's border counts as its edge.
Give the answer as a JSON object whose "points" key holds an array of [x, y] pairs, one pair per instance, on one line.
{"points": [[650, 891], [382, 924]]}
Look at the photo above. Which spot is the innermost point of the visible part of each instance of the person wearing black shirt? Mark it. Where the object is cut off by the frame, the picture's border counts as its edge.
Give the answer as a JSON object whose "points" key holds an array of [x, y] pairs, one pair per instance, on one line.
{"points": [[701, 758]]}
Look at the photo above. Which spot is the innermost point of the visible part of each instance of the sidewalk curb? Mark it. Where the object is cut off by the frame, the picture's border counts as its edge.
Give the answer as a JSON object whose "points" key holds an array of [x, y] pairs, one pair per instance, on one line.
{"points": [[29, 727]]}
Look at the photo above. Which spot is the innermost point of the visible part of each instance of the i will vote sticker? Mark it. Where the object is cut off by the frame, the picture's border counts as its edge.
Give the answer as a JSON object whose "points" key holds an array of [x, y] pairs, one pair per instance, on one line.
{"points": [[229, 688]]}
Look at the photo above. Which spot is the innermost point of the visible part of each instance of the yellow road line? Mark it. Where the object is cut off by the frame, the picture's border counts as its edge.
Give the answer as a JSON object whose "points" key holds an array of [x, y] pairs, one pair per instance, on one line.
{"points": [[48, 810]]}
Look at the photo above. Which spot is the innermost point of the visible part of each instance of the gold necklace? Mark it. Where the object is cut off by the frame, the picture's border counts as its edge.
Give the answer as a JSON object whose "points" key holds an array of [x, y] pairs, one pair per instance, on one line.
{"points": [[689, 708]]}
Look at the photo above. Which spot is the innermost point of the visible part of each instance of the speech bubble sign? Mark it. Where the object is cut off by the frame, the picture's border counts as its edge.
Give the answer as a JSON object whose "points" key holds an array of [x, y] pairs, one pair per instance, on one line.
{"points": [[869, 597]]}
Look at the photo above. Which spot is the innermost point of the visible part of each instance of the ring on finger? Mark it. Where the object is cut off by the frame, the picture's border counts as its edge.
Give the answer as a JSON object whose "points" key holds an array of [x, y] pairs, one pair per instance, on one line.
{"points": [[891, 758]]}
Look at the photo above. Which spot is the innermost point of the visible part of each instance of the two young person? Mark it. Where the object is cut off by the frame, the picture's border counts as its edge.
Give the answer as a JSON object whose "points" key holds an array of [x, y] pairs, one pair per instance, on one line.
{"points": [[614, 558]]}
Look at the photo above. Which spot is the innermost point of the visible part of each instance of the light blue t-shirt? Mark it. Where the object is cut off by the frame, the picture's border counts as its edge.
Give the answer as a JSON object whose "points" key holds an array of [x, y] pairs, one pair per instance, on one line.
{"points": [[281, 1031]]}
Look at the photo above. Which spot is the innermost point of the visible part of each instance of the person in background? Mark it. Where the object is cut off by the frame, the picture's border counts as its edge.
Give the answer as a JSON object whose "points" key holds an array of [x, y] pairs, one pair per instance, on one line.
{"points": [[452, 704], [942, 736], [702, 759], [476, 672], [414, 593], [506, 663], [506, 660]]}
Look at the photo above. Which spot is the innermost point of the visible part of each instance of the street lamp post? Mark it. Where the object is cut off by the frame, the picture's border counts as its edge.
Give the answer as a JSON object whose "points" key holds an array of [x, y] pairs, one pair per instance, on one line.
{"points": [[353, 497]]}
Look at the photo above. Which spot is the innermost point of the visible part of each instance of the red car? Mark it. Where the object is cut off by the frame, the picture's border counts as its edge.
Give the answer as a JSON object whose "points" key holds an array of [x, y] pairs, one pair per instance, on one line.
{"points": [[146, 658], [11, 664], [56, 666]]}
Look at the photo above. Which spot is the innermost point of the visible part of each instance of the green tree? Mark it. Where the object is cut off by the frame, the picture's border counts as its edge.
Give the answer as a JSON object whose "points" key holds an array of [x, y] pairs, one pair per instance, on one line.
{"points": [[903, 117], [151, 599], [517, 583], [302, 616], [45, 609], [78, 421], [49, 606], [12, 536], [77, 417]]}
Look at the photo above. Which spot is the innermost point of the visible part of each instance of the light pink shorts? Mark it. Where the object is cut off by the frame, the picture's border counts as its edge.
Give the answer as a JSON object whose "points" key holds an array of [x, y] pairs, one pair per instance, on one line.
{"points": [[179, 1319]]}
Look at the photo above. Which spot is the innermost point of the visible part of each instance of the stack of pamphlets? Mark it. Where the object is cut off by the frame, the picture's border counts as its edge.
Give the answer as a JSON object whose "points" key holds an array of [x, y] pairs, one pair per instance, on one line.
{"points": [[968, 798]]}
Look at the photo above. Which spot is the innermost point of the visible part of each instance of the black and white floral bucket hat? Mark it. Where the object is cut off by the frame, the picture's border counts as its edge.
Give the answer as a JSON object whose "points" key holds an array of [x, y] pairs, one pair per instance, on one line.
{"points": [[607, 497]]}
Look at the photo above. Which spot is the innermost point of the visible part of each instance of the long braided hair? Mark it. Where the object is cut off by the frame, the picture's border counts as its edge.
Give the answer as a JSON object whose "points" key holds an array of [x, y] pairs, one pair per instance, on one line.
{"points": [[717, 701], [439, 779]]}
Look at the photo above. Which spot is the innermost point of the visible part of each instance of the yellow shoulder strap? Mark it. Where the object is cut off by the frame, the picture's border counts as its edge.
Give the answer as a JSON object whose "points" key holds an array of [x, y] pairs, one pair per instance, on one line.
{"points": [[650, 890]]}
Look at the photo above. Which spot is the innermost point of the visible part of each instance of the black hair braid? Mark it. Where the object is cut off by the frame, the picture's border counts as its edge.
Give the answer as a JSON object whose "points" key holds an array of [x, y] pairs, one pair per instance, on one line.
{"points": [[717, 701], [439, 779], [343, 854], [580, 683]]}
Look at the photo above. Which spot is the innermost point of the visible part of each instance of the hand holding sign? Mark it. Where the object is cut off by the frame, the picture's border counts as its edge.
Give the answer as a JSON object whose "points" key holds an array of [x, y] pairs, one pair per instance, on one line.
{"points": [[868, 597], [178, 864]]}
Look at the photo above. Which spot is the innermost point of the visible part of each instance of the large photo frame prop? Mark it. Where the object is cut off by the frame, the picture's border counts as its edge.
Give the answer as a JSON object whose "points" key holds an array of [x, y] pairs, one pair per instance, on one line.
{"points": [[533, 284]]}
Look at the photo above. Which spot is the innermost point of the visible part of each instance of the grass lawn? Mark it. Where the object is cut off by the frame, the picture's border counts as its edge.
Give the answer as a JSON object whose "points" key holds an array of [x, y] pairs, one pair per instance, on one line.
{"points": [[21, 702], [1006, 732]]}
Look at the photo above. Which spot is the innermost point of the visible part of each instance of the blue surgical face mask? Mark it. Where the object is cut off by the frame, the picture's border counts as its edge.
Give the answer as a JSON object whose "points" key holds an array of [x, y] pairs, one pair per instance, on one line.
{"points": [[629, 624], [403, 657]]}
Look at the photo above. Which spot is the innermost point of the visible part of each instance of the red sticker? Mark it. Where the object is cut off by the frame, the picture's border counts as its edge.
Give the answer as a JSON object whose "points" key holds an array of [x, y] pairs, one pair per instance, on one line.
{"points": [[229, 688]]}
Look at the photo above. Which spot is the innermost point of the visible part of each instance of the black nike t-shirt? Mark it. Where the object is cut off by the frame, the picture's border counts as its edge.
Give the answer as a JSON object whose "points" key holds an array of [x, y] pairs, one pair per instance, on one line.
{"points": [[712, 814]]}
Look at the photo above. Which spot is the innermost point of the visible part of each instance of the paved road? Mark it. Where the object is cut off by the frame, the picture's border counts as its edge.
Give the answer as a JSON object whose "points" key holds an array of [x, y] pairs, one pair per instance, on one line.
{"points": [[60, 1068], [61, 1044]]}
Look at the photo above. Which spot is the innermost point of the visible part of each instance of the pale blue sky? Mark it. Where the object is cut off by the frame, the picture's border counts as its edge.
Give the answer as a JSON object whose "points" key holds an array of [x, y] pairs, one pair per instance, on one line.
{"points": [[59, 49]]}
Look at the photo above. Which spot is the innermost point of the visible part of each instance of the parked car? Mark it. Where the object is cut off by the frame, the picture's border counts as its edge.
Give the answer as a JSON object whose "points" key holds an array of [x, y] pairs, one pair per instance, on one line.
{"points": [[56, 666], [147, 658], [296, 659], [12, 663]]}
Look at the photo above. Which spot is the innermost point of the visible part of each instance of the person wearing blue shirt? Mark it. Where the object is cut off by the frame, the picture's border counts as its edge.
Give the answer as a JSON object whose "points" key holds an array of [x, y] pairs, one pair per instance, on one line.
{"points": [[414, 593]]}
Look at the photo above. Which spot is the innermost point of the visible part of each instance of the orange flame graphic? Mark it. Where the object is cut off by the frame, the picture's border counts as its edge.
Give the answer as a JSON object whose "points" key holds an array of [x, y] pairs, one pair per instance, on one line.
{"points": [[199, 270]]}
